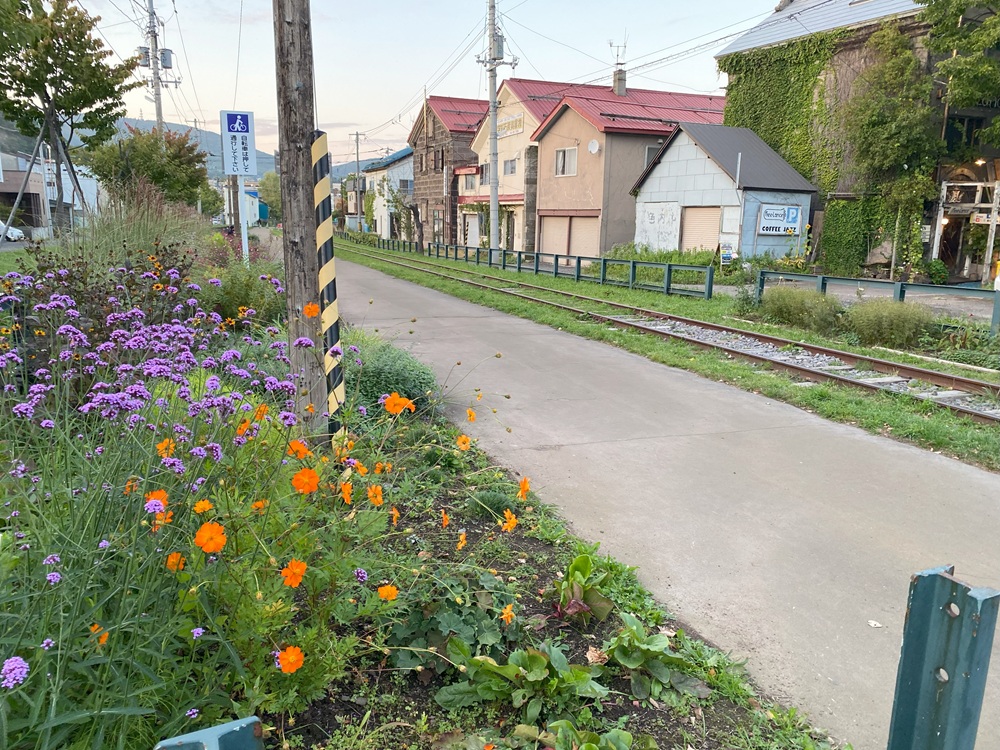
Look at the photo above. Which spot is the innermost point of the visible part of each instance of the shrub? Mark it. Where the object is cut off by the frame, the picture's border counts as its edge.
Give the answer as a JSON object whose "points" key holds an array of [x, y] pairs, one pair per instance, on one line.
{"points": [[489, 504], [937, 271], [887, 323], [258, 287], [386, 369], [802, 308]]}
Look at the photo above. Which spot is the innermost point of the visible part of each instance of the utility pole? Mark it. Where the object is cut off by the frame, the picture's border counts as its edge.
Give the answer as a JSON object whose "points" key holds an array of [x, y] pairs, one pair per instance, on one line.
{"points": [[293, 53], [357, 180], [154, 61], [493, 60]]}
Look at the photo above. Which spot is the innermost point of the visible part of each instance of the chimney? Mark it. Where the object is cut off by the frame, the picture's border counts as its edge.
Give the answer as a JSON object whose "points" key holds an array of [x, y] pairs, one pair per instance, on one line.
{"points": [[619, 82], [782, 5]]}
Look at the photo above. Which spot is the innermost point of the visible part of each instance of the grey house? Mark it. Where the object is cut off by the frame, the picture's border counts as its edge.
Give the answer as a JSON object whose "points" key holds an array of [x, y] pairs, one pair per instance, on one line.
{"points": [[716, 187]]}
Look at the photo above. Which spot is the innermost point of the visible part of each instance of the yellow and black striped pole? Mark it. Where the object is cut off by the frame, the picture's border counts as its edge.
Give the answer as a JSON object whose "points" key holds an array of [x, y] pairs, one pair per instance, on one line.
{"points": [[330, 318]]}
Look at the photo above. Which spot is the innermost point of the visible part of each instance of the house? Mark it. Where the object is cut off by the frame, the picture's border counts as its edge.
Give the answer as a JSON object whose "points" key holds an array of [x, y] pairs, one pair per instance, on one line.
{"points": [[712, 186], [355, 188], [441, 140], [790, 78], [592, 147], [522, 105], [391, 179], [34, 213]]}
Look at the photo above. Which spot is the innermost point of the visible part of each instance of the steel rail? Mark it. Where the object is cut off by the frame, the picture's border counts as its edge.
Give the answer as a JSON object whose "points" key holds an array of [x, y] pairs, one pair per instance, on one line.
{"points": [[952, 382]]}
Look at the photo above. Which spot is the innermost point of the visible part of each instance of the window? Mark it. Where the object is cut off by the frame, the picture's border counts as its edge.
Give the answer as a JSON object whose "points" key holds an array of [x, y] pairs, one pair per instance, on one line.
{"points": [[510, 166], [420, 162], [406, 186], [438, 226], [651, 152], [565, 162], [470, 181], [484, 174], [438, 159], [963, 131]]}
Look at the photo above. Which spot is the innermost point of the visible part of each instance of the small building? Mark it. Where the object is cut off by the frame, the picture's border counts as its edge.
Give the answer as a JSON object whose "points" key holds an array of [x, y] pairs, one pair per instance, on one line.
{"points": [[34, 213], [391, 179], [591, 148], [441, 140], [716, 187]]}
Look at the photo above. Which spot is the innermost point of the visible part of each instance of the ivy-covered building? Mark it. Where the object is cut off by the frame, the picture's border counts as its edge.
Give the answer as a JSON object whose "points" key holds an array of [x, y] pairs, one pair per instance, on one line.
{"points": [[844, 90]]}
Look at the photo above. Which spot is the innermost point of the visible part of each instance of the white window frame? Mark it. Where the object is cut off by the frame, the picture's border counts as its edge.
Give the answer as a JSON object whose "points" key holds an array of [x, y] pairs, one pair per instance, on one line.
{"points": [[484, 174], [565, 152], [509, 167], [651, 152], [470, 182]]}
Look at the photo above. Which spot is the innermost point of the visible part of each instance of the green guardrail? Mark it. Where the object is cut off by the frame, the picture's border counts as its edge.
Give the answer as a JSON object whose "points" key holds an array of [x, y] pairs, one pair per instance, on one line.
{"points": [[899, 289], [244, 734], [609, 271]]}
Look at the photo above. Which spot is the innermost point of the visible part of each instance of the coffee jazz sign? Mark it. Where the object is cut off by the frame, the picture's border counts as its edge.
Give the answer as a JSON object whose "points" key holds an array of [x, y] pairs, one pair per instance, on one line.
{"points": [[779, 220]]}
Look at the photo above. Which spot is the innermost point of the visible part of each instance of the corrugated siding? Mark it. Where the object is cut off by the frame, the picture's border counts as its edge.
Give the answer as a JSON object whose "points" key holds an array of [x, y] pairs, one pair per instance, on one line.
{"points": [[804, 17], [700, 228], [555, 230], [585, 236]]}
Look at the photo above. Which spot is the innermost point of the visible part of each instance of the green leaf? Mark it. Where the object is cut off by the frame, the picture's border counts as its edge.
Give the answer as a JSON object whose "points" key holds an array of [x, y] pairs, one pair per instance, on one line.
{"points": [[557, 657], [640, 686], [581, 568], [658, 670], [619, 739], [459, 695], [644, 742], [657, 642], [632, 658], [599, 604], [533, 711], [689, 685], [458, 650]]}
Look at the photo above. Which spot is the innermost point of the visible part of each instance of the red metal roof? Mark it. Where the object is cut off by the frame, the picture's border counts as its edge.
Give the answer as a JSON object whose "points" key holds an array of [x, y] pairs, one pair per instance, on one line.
{"points": [[459, 115], [640, 111]]}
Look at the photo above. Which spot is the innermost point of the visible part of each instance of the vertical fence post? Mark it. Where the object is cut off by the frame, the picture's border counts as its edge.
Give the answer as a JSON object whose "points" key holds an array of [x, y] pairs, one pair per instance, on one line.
{"points": [[536, 263], [503, 260], [520, 260], [330, 315], [898, 291], [709, 282], [576, 276], [668, 273], [943, 663], [604, 270], [631, 274], [555, 265], [995, 323], [759, 289]]}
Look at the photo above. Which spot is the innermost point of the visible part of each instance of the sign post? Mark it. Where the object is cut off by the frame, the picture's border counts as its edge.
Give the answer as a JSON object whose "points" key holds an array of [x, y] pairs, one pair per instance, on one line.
{"points": [[239, 157]]}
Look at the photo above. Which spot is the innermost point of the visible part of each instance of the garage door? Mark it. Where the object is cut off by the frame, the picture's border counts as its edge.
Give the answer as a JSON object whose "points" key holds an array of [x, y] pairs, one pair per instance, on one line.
{"points": [[555, 231], [585, 236], [700, 227]]}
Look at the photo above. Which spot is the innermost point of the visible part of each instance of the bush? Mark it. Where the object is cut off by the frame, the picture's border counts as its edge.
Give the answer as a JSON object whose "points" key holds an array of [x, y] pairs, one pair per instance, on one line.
{"points": [[236, 286], [937, 271], [802, 308], [385, 369], [884, 322]]}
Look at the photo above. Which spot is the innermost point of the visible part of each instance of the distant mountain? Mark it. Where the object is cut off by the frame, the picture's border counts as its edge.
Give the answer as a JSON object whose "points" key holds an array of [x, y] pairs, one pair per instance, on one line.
{"points": [[11, 140], [338, 172]]}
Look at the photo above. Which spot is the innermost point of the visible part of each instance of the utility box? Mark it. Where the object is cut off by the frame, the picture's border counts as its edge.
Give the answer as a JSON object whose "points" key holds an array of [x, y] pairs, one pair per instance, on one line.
{"points": [[245, 734]]}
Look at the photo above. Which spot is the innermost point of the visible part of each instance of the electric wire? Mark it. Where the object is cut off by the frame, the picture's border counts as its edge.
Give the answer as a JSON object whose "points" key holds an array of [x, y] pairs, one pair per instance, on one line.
{"points": [[555, 41], [187, 62], [520, 51], [239, 48]]}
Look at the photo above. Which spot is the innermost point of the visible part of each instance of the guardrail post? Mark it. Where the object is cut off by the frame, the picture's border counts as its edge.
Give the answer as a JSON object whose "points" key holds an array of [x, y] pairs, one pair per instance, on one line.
{"points": [[995, 323], [245, 734], [503, 260], [821, 284], [535, 263], [604, 270], [520, 258], [758, 293], [555, 265], [576, 276], [709, 282], [898, 291], [668, 277], [943, 663], [631, 274]]}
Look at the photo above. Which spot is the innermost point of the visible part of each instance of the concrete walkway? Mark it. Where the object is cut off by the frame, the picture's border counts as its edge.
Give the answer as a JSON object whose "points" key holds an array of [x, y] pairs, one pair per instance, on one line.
{"points": [[773, 533]]}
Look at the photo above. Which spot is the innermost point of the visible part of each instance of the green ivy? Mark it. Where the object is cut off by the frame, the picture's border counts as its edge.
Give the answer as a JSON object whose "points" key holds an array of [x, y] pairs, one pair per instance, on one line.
{"points": [[850, 229]]}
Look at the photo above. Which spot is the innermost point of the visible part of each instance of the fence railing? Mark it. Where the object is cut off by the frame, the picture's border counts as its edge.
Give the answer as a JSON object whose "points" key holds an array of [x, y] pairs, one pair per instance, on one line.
{"points": [[898, 288], [633, 274]]}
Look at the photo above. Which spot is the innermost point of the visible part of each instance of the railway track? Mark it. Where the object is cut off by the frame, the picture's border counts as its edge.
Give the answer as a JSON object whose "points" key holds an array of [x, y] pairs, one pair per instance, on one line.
{"points": [[976, 399]]}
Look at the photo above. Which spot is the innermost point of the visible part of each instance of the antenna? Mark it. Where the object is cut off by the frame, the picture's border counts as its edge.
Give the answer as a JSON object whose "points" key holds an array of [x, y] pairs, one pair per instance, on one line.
{"points": [[619, 50]]}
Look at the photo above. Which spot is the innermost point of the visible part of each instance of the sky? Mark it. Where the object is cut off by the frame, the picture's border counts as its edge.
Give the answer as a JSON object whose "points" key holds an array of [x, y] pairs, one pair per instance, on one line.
{"points": [[372, 60]]}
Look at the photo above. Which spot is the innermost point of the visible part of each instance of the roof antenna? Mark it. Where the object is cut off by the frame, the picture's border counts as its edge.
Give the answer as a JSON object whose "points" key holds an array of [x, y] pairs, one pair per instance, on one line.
{"points": [[619, 50]]}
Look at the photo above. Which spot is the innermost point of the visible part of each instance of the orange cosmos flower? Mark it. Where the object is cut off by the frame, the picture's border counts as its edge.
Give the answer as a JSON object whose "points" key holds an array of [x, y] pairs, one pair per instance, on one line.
{"points": [[522, 493], [507, 614], [299, 449], [305, 481], [131, 485], [175, 561], [388, 592], [375, 495], [211, 537], [244, 426], [160, 519], [463, 442], [396, 403], [461, 541], [510, 521], [381, 467], [202, 506], [395, 515], [471, 415], [291, 659], [310, 408], [259, 506], [346, 488], [361, 469], [260, 413], [445, 520], [310, 310], [293, 572], [166, 448], [479, 396], [160, 495], [100, 633]]}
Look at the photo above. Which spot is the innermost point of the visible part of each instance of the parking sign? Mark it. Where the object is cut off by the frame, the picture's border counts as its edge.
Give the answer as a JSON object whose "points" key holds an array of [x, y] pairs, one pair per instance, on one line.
{"points": [[239, 152]]}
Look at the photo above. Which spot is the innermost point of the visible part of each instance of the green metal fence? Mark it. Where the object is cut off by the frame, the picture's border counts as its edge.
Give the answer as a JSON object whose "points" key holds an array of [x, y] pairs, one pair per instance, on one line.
{"points": [[899, 289]]}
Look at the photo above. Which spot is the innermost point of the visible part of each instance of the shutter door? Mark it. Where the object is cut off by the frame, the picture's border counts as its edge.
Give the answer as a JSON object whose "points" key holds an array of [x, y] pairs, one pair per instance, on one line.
{"points": [[585, 236], [472, 230], [555, 230], [700, 228]]}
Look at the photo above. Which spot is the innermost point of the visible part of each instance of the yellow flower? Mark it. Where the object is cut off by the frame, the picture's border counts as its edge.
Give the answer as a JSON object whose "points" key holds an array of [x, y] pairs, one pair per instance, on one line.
{"points": [[471, 415], [310, 310], [375, 495], [305, 481], [522, 493], [291, 659], [346, 488], [166, 448], [388, 592], [445, 520], [461, 541], [395, 515], [463, 442], [100, 633], [293, 572], [507, 614], [259, 506], [510, 521], [175, 561], [202, 506]]}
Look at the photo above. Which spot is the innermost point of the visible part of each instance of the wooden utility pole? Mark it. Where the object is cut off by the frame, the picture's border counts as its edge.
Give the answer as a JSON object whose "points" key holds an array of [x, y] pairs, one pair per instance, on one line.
{"points": [[293, 54]]}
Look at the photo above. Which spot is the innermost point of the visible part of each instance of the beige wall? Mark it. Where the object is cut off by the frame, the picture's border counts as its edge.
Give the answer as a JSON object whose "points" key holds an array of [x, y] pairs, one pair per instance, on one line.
{"points": [[625, 158], [586, 189], [509, 147]]}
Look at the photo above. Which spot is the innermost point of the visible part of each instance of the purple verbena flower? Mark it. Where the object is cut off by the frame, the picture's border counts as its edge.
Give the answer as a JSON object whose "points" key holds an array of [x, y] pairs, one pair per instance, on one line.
{"points": [[53, 578], [288, 419], [197, 633], [361, 574], [51, 560], [47, 424], [154, 506], [14, 672], [192, 713], [363, 411], [103, 544], [303, 343], [47, 644]]}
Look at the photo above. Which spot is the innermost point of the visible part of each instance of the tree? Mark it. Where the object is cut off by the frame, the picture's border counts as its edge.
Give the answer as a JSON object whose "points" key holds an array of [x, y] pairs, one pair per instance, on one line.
{"points": [[170, 161], [270, 192], [14, 31], [60, 79], [967, 32], [211, 200]]}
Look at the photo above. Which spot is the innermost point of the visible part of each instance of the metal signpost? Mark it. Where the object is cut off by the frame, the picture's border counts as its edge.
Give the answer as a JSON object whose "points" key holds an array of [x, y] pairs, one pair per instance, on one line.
{"points": [[239, 157]]}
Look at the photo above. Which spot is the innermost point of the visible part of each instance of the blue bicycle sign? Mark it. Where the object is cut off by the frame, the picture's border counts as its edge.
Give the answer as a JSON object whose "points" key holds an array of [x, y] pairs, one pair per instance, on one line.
{"points": [[236, 122], [239, 154]]}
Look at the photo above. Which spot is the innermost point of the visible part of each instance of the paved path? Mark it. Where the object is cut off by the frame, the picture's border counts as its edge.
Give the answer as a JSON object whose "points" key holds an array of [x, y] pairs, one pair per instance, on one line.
{"points": [[773, 533]]}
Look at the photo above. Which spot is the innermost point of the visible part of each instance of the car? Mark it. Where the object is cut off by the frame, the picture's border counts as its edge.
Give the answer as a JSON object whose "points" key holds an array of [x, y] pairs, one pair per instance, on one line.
{"points": [[13, 233]]}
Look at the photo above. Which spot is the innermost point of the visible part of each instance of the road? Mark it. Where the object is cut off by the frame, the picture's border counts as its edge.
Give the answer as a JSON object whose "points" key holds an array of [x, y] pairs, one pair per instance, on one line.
{"points": [[771, 532]]}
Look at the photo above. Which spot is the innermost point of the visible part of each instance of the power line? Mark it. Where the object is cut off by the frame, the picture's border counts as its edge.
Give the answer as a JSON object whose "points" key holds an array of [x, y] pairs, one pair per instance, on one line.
{"points": [[521, 51], [133, 19], [554, 41], [187, 62], [239, 47]]}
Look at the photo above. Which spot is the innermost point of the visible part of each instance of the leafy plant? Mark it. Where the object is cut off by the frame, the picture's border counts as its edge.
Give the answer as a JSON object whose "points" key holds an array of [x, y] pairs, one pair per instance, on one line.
{"points": [[937, 271], [578, 593], [386, 369], [564, 735], [800, 307], [652, 664], [888, 323], [534, 680]]}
